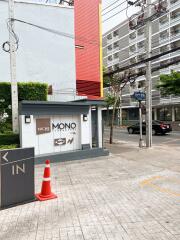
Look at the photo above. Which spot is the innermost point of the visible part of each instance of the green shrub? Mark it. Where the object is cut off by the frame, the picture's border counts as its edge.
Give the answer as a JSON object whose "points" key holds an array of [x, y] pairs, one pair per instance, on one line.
{"points": [[9, 138], [5, 127], [26, 91], [12, 146], [33, 91]]}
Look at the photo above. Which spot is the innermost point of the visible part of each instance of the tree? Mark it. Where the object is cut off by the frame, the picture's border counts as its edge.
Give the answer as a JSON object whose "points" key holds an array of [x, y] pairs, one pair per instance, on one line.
{"points": [[109, 99], [169, 84], [116, 83], [106, 79], [113, 97]]}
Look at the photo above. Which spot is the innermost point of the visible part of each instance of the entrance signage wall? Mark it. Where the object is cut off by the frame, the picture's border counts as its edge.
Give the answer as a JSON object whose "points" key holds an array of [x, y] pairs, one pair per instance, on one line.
{"points": [[57, 133], [16, 176]]}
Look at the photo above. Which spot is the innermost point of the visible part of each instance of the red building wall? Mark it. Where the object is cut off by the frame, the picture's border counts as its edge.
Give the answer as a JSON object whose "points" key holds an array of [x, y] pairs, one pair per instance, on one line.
{"points": [[88, 56]]}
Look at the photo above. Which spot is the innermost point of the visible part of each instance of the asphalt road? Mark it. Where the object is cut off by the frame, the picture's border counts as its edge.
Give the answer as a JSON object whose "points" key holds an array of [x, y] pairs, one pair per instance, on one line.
{"points": [[170, 139]]}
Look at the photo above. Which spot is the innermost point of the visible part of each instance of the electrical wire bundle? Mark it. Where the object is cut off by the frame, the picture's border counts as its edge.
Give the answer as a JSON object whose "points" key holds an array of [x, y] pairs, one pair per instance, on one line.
{"points": [[70, 2], [6, 45]]}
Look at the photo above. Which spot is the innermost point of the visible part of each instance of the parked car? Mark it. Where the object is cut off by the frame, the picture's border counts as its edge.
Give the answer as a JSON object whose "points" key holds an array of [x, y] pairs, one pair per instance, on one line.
{"points": [[158, 127]]}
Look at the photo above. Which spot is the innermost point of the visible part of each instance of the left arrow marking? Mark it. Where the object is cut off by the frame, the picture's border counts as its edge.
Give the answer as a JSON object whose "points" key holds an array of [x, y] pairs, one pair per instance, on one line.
{"points": [[5, 157]]}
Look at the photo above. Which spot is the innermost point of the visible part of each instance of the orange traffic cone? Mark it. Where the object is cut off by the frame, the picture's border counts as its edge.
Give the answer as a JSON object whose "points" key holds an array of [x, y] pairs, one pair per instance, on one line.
{"points": [[46, 193]]}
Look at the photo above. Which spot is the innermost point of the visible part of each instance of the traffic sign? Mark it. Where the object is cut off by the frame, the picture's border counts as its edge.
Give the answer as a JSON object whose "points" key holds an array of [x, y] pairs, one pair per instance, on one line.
{"points": [[16, 176], [140, 96]]}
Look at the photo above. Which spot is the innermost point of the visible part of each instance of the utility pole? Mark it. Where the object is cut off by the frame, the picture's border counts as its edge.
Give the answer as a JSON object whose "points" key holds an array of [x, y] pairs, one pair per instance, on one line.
{"points": [[120, 109], [14, 89], [140, 125], [148, 79]]}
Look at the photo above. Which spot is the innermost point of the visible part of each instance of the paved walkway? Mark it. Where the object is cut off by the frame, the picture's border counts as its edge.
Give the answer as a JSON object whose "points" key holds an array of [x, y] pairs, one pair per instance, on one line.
{"points": [[130, 195]]}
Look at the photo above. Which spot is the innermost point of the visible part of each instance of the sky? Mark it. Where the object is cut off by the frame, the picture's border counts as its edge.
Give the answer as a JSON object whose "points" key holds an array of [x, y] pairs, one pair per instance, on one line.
{"points": [[108, 24], [115, 8]]}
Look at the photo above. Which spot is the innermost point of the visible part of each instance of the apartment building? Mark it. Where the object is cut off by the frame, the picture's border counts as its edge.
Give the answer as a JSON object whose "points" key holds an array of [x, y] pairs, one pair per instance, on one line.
{"points": [[123, 46]]}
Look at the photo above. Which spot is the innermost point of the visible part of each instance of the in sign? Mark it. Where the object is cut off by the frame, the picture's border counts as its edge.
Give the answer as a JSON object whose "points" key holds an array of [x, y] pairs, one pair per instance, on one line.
{"points": [[16, 176], [16, 169]]}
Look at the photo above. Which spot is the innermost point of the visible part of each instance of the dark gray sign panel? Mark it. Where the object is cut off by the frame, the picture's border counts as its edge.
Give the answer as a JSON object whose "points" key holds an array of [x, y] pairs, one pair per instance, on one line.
{"points": [[17, 176]]}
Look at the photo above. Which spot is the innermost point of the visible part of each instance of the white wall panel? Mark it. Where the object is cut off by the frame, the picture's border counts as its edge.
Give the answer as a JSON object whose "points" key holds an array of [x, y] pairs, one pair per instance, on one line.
{"points": [[42, 56]]}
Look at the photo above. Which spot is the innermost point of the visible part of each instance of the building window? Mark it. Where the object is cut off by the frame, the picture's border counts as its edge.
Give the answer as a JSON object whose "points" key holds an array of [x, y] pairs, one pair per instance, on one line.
{"points": [[109, 37], [177, 113], [164, 114], [132, 35], [110, 58], [153, 114], [116, 33], [116, 55], [133, 114], [109, 47], [140, 31], [173, 1], [116, 44], [141, 84], [116, 66], [124, 114], [140, 44]]}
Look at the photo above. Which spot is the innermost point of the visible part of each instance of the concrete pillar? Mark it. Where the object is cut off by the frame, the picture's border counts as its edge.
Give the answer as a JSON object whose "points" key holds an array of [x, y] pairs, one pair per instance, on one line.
{"points": [[100, 127], [155, 114], [173, 114]]}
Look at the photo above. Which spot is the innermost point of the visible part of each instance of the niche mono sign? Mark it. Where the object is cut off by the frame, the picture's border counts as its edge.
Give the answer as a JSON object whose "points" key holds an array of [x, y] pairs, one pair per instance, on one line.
{"points": [[67, 126], [17, 176]]}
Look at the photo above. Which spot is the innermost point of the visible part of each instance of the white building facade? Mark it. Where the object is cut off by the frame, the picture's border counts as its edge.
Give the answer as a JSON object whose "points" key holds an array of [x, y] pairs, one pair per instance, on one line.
{"points": [[46, 51]]}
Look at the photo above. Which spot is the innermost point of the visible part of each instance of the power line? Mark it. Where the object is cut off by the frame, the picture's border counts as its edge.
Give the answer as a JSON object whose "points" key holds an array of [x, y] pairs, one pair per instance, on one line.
{"points": [[63, 34], [113, 8], [112, 4], [136, 15], [81, 38], [114, 14]]}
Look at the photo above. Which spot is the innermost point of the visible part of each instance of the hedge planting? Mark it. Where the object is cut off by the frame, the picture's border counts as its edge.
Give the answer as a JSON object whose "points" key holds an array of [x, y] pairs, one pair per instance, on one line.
{"points": [[12, 146], [9, 139], [33, 91]]}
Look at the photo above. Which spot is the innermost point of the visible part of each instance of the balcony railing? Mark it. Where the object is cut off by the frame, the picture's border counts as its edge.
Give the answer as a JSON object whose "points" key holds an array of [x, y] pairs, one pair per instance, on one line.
{"points": [[170, 99], [165, 71], [175, 54], [174, 5], [165, 57], [175, 18], [164, 21], [172, 2], [163, 39], [175, 36], [175, 67], [115, 61]]}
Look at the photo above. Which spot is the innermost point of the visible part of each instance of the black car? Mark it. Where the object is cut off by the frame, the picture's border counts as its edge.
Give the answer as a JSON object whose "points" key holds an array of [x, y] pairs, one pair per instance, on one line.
{"points": [[158, 127]]}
